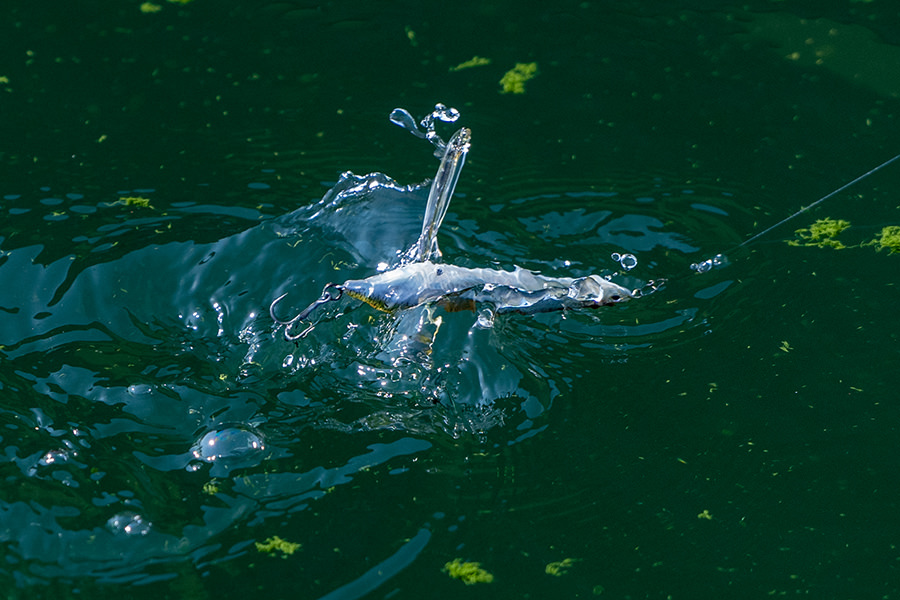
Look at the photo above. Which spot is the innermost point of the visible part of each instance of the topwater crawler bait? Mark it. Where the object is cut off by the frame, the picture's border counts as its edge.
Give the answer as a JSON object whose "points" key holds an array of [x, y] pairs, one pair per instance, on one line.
{"points": [[460, 288], [418, 279]]}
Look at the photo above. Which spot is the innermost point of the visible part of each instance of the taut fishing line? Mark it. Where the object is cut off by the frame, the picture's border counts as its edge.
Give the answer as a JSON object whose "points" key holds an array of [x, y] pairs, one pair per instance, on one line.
{"points": [[721, 259]]}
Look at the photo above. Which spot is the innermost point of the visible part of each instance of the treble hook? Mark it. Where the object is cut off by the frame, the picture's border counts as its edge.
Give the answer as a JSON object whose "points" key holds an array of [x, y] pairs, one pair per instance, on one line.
{"points": [[327, 296]]}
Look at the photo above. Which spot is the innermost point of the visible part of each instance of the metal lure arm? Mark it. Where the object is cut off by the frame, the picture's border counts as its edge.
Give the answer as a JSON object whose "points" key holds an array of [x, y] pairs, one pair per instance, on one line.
{"points": [[442, 188]]}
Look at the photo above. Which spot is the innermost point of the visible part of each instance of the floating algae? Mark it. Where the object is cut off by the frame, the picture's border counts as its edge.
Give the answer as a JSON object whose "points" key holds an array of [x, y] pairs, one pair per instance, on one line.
{"points": [[822, 233], [469, 573], [276, 544], [889, 239], [475, 61], [513, 81], [137, 201], [560, 567]]}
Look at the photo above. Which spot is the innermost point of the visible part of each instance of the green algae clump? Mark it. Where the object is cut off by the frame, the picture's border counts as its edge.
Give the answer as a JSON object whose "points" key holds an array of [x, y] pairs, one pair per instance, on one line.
{"points": [[475, 61], [469, 573], [560, 567], [513, 81], [889, 239], [137, 201], [822, 233], [276, 544]]}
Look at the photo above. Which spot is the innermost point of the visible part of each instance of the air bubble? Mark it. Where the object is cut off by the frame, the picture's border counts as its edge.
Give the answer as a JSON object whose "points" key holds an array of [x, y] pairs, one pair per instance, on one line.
{"points": [[719, 260], [626, 261], [227, 443]]}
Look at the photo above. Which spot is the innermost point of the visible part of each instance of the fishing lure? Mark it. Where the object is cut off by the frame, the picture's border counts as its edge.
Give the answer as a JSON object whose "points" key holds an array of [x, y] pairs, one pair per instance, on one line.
{"points": [[419, 279], [460, 288]]}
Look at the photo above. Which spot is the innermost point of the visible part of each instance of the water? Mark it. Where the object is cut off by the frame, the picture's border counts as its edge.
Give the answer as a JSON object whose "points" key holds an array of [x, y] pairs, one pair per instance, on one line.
{"points": [[730, 434]]}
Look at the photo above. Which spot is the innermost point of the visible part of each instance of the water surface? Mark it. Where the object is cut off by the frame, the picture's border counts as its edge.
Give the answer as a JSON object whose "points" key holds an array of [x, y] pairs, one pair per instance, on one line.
{"points": [[729, 435]]}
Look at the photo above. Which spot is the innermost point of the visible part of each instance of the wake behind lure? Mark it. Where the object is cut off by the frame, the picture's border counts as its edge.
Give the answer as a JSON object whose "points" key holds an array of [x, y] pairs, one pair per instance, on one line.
{"points": [[420, 279]]}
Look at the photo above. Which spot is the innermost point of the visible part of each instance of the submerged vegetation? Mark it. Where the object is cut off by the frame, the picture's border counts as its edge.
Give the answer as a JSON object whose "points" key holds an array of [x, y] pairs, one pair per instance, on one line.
{"points": [[469, 573]]}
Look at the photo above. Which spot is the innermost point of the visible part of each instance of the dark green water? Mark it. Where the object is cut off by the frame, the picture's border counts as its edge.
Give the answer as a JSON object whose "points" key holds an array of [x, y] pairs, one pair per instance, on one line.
{"points": [[731, 436]]}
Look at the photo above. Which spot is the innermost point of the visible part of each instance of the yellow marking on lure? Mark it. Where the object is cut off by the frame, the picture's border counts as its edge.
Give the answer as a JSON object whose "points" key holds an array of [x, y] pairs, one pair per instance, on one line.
{"points": [[373, 302]]}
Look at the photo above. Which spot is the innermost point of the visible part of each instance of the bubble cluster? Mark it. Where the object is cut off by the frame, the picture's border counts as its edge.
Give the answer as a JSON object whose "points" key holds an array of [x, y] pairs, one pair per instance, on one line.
{"points": [[626, 261], [719, 260]]}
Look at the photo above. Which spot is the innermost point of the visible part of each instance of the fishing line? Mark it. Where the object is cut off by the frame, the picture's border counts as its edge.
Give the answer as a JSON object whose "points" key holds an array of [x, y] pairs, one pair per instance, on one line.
{"points": [[819, 201], [720, 260]]}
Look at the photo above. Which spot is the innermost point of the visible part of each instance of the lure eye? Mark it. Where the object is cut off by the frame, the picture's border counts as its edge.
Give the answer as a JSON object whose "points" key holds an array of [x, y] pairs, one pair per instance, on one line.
{"points": [[439, 272]]}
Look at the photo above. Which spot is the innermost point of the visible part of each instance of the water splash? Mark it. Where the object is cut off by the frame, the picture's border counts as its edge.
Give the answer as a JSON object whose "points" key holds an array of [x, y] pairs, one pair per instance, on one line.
{"points": [[402, 117]]}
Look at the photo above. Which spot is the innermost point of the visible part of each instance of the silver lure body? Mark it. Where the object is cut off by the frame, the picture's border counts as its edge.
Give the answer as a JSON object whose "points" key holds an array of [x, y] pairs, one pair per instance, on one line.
{"points": [[519, 290]]}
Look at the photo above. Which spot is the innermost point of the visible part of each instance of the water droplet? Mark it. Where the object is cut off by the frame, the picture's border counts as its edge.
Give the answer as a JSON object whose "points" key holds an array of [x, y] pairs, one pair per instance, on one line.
{"points": [[128, 524]]}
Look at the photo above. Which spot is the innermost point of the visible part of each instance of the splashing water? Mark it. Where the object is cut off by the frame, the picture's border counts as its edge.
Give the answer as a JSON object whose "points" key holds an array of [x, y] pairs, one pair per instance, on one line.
{"points": [[417, 280]]}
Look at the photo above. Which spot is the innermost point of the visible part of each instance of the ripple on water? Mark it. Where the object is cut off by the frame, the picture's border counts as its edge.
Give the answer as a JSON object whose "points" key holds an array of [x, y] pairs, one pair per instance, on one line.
{"points": [[144, 388]]}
